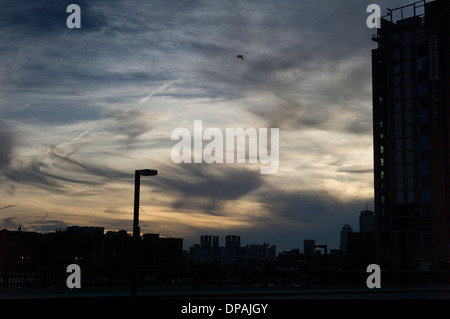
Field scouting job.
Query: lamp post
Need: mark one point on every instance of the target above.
(136, 229)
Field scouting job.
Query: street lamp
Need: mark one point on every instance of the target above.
(136, 229)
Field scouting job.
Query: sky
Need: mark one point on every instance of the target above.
(81, 109)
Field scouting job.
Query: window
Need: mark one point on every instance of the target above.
(400, 199)
(425, 168)
(407, 67)
(420, 35)
(410, 170)
(408, 92)
(422, 64)
(422, 90)
(425, 195)
(410, 183)
(408, 105)
(421, 76)
(409, 144)
(409, 157)
(397, 68)
(407, 53)
(423, 116)
(424, 142)
(398, 93)
(398, 144)
(396, 55)
(411, 198)
(398, 157)
(408, 117)
(407, 79)
(408, 130)
(406, 38)
(398, 131)
(400, 184)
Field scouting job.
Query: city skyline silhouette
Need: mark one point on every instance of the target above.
(82, 109)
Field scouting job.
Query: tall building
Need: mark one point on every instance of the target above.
(411, 128)
(366, 221)
(208, 253)
(309, 246)
(205, 241)
(232, 241)
(346, 229)
(261, 253)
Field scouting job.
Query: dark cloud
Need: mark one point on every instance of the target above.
(309, 207)
(31, 173)
(6, 144)
(45, 224)
(11, 190)
(8, 206)
(50, 172)
(206, 188)
(131, 122)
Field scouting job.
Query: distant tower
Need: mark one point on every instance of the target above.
(366, 221)
(308, 246)
(205, 241)
(345, 230)
(215, 241)
(232, 241)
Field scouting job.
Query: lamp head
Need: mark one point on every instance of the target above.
(147, 172)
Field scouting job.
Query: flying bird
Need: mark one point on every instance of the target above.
(240, 57)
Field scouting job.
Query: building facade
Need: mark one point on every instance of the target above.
(346, 229)
(411, 137)
(366, 221)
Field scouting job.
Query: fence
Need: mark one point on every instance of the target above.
(101, 277)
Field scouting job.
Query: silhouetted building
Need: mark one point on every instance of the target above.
(261, 255)
(411, 141)
(212, 255)
(346, 229)
(209, 241)
(309, 246)
(360, 250)
(95, 235)
(232, 241)
(19, 249)
(75, 245)
(366, 221)
(118, 249)
(161, 252)
(290, 259)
